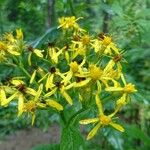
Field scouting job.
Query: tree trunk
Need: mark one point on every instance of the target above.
(51, 13)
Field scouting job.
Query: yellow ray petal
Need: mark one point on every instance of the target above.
(93, 131)
(69, 86)
(8, 100)
(38, 53)
(50, 93)
(88, 121)
(117, 126)
(67, 97)
(16, 82)
(68, 77)
(54, 104)
(49, 82)
(30, 91)
(38, 93)
(2, 95)
(111, 89)
(33, 77)
(109, 66)
(43, 78)
(82, 83)
(99, 104)
(20, 105)
(99, 88)
(33, 118)
(123, 79)
(29, 58)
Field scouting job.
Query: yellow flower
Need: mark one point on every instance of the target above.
(62, 90)
(68, 22)
(54, 53)
(9, 37)
(50, 77)
(75, 70)
(19, 34)
(101, 121)
(128, 88)
(97, 45)
(37, 52)
(110, 47)
(33, 76)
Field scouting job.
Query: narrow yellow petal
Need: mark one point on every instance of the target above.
(88, 121)
(111, 89)
(19, 34)
(117, 126)
(123, 79)
(93, 131)
(16, 82)
(38, 92)
(50, 93)
(49, 82)
(99, 104)
(38, 53)
(109, 66)
(30, 91)
(99, 88)
(12, 51)
(68, 77)
(54, 104)
(29, 58)
(67, 56)
(33, 118)
(42, 105)
(43, 78)
(2, 95)
(33, 77)
(114, 48)
(5, 102)
(67, 97)
(82, 83)
(20, 105)
(70, 86)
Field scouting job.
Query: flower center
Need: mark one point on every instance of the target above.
(30, 106)
(95, 72)
(74, 66)
(129, 88)
(85, 40)
(105, 120)
(107, 40)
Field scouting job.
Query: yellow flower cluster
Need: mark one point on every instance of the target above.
(94, 65)
(11, 45)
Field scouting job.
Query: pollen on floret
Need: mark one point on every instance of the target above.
(30, 106)
(74, 66)
(107, 40)
(105, 120)
(95, 72)
(129, 88)
(85, 39)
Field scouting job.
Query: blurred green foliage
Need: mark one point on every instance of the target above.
(128, 22)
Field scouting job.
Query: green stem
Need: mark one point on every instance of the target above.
(23, 70)
(73, 117)
(63, 117)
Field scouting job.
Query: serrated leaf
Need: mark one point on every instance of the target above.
(71, 139)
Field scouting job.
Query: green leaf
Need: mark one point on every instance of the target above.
(71, 139)
(47, 147)
(136, 133)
